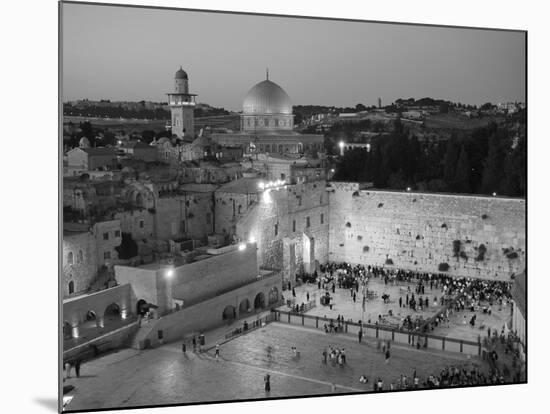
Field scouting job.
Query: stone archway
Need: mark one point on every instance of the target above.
(259, 301)
(229, 313)
(244, 306)
(112, 313)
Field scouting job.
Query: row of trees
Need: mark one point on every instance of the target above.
(486, 160)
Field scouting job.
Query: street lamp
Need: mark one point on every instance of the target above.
(494, 194)
(169, 273)
(242, 246)
(341, 145)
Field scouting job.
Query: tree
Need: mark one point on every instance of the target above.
(492, 169)
(360, 107)
(461, 182)
(450, 160)
(128, 247)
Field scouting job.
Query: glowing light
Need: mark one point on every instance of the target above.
(242, 246)
(408, 188)
(332, 170)
(261, 185)
(123, 313)
(341, 144)
(170, 273)
(266, 197)
(494, 194)
(251, 240)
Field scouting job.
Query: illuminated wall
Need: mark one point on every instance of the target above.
(419, 231)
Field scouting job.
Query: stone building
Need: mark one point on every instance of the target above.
(108, 236)
(519, 313)
(182, 105)
(79, 262)
(84, 159)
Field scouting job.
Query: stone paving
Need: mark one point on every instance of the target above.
(167, 376)
(344, 305)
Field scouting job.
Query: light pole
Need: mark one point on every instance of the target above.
(341, 145)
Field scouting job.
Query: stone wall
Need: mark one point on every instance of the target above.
(279, 223)
(182, 216)
(418, 231)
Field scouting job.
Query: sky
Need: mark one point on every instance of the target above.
(122, 53)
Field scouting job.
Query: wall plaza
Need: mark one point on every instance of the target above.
(208, 251)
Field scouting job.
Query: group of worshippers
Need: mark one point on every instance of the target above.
(334, 356)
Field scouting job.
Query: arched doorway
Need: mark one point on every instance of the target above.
(90, 320)
(229, 313)
(259, 301)
(273, 295)
(112, 313)
(142, 307)
(244, 306)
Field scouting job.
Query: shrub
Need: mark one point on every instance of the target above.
(464, 255)
(359, 238)
(380, 205)
(348, 224)
(481, 250)
(414, 200)
(512, 255)
(443, 267)
(355, 194)
(444, 226)
(418, 237)
(389, 261)
(456, 247)
(365, 249)
(190, 215)
(484, 216)
(341, 244)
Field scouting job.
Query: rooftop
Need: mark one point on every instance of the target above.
(245, 185)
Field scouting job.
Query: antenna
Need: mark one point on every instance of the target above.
(267, 73)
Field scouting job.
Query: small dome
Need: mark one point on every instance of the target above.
(267, 97)
(84, 143)
(180, 74)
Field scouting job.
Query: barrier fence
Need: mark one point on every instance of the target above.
(412, 338)
(258, 323)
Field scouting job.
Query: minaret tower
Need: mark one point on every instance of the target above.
(182, 105)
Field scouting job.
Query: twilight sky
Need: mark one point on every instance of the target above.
(123, 53)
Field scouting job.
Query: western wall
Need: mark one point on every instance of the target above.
(475, 236)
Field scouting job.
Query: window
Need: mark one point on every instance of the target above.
(71, 287)
(141, 224)
(70, 258)
(117, 233)
(299, 200)
(307, 221)
(105, 236)
(276, 229)
(80, 257)
(106, 255)
(322, 218)
(293, 226)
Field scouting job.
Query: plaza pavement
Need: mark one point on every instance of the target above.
(344, 305)
(165, 375)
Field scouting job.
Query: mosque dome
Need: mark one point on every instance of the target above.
(267, 97)
(181, 74)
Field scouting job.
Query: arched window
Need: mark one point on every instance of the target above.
(80, 257)
(71, 287)
(70, 258)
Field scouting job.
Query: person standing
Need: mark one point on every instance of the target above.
(217, 352)
(183, 347)
(194, 344)
(307, 296)
(360, 334)
(387, 356)
(267, 381)
(77, 368)
(68, 369)
(400, 301)
(324, 356)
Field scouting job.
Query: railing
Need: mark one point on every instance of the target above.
(412, 338)
(272, 317)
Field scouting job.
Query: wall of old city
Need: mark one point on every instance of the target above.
(209, 314)
(280, 221)
(418, 231)
(194, 282)
(230, 208)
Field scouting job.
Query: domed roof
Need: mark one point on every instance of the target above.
(267, 97)
(84, 142)
(180, 74)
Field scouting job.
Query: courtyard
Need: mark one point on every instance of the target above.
(166, 375)
(344, 305)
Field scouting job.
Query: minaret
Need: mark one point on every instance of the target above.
(182, 105)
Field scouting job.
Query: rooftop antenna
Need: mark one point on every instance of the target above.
(267, 73)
